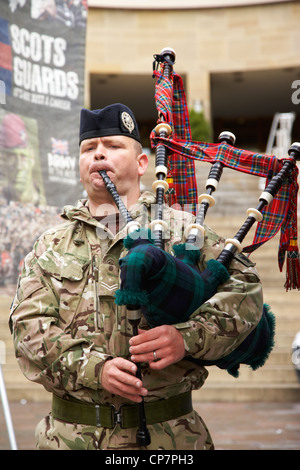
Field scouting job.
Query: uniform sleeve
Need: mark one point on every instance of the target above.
(218, 326)
(47, 354)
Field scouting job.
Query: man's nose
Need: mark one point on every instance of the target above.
(100, 152)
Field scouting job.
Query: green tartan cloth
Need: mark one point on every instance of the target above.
(167, 289)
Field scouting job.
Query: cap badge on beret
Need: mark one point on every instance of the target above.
(127, 121)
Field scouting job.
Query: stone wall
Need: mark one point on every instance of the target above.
(205, 40)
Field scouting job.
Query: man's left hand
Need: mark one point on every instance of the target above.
(160, 346)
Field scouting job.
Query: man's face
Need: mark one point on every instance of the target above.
(118, 156)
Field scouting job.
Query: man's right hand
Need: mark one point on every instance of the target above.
(118, 377)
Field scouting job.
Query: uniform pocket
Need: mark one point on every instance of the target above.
(64, 265)
(68, 278)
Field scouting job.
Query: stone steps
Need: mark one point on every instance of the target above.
(247, 392)
(269, 374)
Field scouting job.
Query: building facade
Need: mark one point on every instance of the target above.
(240, 60)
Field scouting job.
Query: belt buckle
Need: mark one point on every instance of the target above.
(117, 415)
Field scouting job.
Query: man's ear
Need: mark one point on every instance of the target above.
(142, 163)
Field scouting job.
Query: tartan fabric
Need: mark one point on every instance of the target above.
(171, 104)
(281, 213)
(164, 286)
(168, 290)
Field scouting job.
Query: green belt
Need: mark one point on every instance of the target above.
(107, 416)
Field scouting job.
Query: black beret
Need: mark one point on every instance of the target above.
(115, 119)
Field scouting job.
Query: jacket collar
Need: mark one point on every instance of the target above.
(81, 211)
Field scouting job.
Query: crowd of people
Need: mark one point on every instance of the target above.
(20, 225)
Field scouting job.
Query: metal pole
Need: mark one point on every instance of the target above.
(9, 424)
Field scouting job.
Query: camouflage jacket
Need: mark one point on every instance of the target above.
(65, 323)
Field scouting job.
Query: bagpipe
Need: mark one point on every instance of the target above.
(166, 288)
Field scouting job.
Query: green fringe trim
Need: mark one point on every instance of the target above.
(260, 360)
(187, 256)
(179, 249)
(130, 239)
(218, 270)
(127, 297)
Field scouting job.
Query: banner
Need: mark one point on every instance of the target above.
(42, 54)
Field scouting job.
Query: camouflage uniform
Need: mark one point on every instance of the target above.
(63, 332)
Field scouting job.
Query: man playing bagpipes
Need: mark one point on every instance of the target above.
(72, 337)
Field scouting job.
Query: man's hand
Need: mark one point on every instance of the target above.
(118, 377)
(118, 374)
(160, 346)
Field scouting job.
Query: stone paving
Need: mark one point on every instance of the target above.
(234, 426)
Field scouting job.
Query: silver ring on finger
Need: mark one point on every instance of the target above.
(155, 356)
